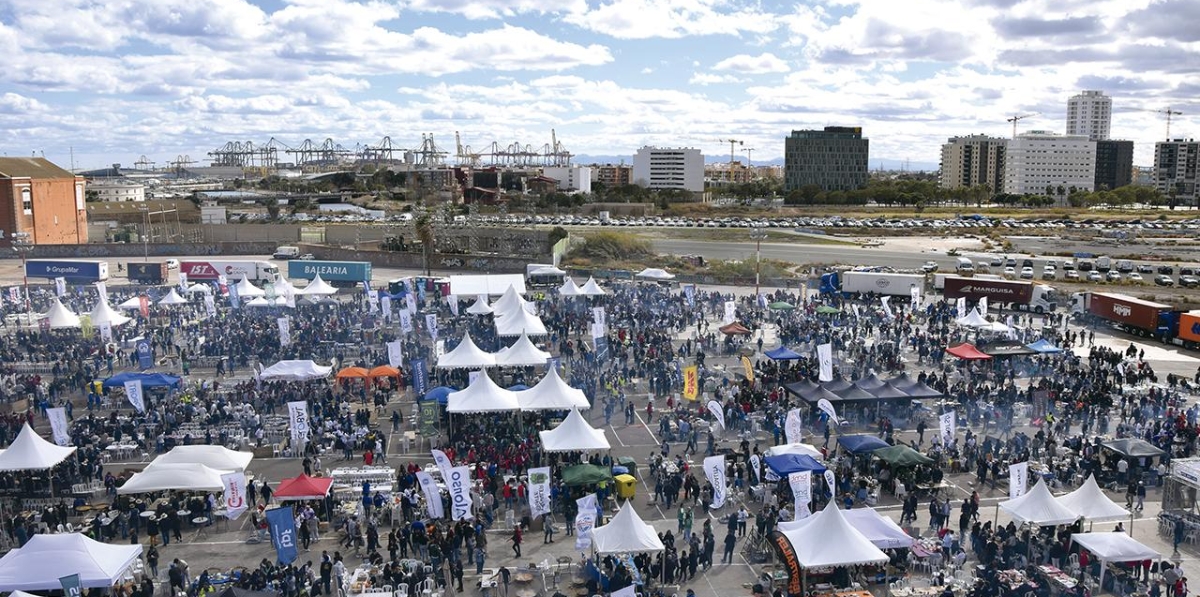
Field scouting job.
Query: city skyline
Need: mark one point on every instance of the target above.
(166, 77)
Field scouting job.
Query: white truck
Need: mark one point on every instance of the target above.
(849, 283)
(212, 270)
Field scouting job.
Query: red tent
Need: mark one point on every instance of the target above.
(303, 487)
(968, 352)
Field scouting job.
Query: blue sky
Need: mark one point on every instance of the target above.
(119, 79)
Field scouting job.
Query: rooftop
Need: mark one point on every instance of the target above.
(32, 168)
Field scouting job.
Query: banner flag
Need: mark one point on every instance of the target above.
(235, 494)
(298, 422)
(802, 492)
(983, 305)
(691, 382)
(106, 331)
(756, 466)
(443, 463)
(453, 300)
(786, 552)
(222, 284)
(102, 290)
(827, 408)
(420, 377)
(585, 521)
(145, 354)
(793, 427)
(133, 390)
(831, 481)
(1018, 478)
(948, 426)
(285, 331)
(235, 301)
(960, 306)
(58, 425)
(406, 325)
(183, 283)
(825, 359)
(472, 376)
(887, 307)
(385, 303)
(748, 368)
(598, 316)
(431, 324)
(714, 407)
(433, 496)
(854, 307)
(60, 287)
(210, 304)
(72, 586)
(283, 533)
(144, 305)
(689, 291)
(714, 469)
(597, 330)
(459, 484)
(410, 303)
(730, 312)
(914, 292)
(439, 349)
(395, 354)
(539, 491)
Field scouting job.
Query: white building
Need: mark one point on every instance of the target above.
(116, 189)
(570, 178)
(1090, 114)
(1039, 159)
(669, 168)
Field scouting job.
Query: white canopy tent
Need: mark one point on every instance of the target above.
(552, 393)
(995, 327)
(547, 270)
(972, 320)
(295, 371)
(626, 533)
(102, 313)
(1091, 503)
(568, 288)
(591, 288)
(1114, 546)
(45, 558)
(262, 301)
(317, 287)
(1039, 507)
(804, 449)
(198, 287)
(60, 316)
(520, 323)
(172, 298)
(510, 302)
(482, 396)
(467, 355)
(480, 307)
(827, 540)
(31, 452)
(880, 530)
(131, 304)
(654, 273)
(523, 353)
(215, 457)
(173, 477)
(247, 290)
(574, 435)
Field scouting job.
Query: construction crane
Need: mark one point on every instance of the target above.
(732, 143)
(749, 157)
(1015, 119)
(1169, 112)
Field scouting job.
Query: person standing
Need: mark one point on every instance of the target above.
(516, 541)
(730, 541)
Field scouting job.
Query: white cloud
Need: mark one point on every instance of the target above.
(14, 103)
(711, 79)
(641, 19)
(753, 65)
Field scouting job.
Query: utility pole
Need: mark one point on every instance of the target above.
(758, 234)
(22, 244)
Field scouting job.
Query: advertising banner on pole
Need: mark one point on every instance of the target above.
(298, 422)
(793, 426)
(283, 533)
(459, 484)
(133, 391)
(433, 496)
(235, 494)
(539, 491)
(714, 470)
(58, 425)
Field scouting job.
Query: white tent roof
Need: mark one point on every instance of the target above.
(482, 396)
(828, 539)
(880, 530)
(317, 287)
(518, 323)
(489, 284)
(626, 533)
(102, 313)
(509, 302)
(1091, 503)
(31, 452)
(568, 288)
(1115, 546)
(467, 355)
(523, 353)
(38, 565)
(591, 288)
(246, 289)
(1039, 507)
(60, 316)
(131, 304)
(178, 476)
(260, 301)
(296, 371)
(972, 320)
(547, 270)
(654, 273)
(198, 287)
(215, 457)
(574, 434)
(172, 298)
(994, 326)
(552, 393)
(283, 286)
(480, 307)
(805, 449)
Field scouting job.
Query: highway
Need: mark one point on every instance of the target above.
(802, 253)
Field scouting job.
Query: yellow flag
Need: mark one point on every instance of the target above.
(749, 368)
(691, 382)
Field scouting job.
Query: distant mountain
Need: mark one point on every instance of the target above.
(876, 163)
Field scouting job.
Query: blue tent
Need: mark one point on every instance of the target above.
(1044, 346)
(149, 380)
(861, 444)
(783, 353)
(440, 393)
(518, 388)
(786, 464)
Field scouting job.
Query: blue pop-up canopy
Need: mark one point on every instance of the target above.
(786, 464)
(861, 444)
(1044, 346)
(440, 393)
(783, 353)
(149, 380)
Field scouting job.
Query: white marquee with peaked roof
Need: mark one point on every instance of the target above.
(523, 353)
(1039, 506)
(45, 558)
(552, 393)
(574, 435)
(467, 355)
(1090, 502)
(60, 316)
(482, 396)
(830, 540)
(31, 452)
(102, 313)
(626, 532)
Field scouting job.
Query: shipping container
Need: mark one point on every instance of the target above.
(1132, 313)
(881, 283)
(72, 271)
(254, 271)
(345, 272)
(147, 273)
(1003, 291)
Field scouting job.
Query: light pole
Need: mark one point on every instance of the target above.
(758, 234)
(145, 231)
(21, 244)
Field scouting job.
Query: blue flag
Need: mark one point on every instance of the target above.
(283, 533)
(421, 292)
(145, 354)
(234, 300)
(71, 585)
(420, 377)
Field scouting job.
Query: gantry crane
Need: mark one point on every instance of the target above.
(1018, 118)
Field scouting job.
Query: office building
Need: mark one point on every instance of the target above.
(662, 168)
(1114, 164)
(570, 178)
(834, 159)
(1175, 164)
(117, 189)
(42, 200)
(1037, 160)
(1089, 114)
(972, 161)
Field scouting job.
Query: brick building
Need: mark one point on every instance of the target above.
(43, 200)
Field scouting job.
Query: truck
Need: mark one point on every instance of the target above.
(147, 273)
(1021, 295)
(77, 271)
(213, 269)
(337, 273)
(852, 282)
(1103, 264)
(965, 265)
(1189, 329)
(543, 275)
(286, 252)
(1134, 315)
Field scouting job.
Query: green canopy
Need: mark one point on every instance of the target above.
(585, 474)
(781, 306)
(827, 310)
(902, 455)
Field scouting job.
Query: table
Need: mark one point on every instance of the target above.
(147, 514)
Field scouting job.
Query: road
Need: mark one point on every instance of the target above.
(802, 253)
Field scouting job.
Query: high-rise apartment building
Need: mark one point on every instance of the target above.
(1175, 165)
(1114, 164)
(834, 159)
(1039, 159)
(611, 175)
(664, 168)
(972, 161)
(1089, 114)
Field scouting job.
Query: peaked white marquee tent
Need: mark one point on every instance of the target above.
(591, 288)
(1114, 547)
(215, 457)
(552, 393)
(173, 477)
(295, 371)
(1090, 502)
(45, 558)
(132, 303)
(574, 435)
(482, 396)
(31, 452)
(60, 316)
(654, 273)
(467, 355)
(102, 313)
(317, 287)
(1039, 507)
(568, 288)
(972, 320)
(827, 539)
(480, 307)
(520, 322)
(198, 287)
(247, 290)
(172, 298)
(880, 530)
(626, 533)
(509, 302)
(523, 353)
(804, 449)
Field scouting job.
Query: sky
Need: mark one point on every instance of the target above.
(113, 80)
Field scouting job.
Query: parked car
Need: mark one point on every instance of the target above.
(1189, 281)
(1072, 274)
(1166, 270)
(1095, 277)
(1136, 277)
(1027, 273)
(1163, 280)
(929, 267)
(1010, 272)
(1145, 268)
(1113, 276)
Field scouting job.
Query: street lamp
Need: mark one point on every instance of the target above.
(22, 244)
(145, 231)
(758, 234)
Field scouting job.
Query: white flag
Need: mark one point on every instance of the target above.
(948, 427)
(854, 307)
(730, 312)
(827, 408)
(410, 302)
(983, 306)
(106, 331)
(433, 496)
(285, 331)
(825, 359)
(385, 303)
(183, 286)
(102, 290)
(1018, 478)
(453, 300)
(718, 413)
(431, 325)
(539, 491)
(714, 469)
(887, 309)
(133, 390)
(58, 425)
(459, 484)
(235, 494)
(439, 349)
(210, 304)
(793, 426)
(960, 306)
(60, 286)
(472, 376)
(598, 331)
(298, 422)
(585, 521)
(406, 325)
(914, 293)
(801, 484)
(443, 463)
(831, 481)
(395, 354)
(598, 316)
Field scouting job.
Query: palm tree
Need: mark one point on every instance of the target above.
(424, 226)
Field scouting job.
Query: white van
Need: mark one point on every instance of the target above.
(287, 252)
(965, 265)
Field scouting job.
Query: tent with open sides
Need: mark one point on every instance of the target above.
(901, 455)
(1044, 346)
(861, 444)
(519, 322)
(247, 289)
(1039, 507)
(509, 302)
(317, 287)
(384, 371)
(480, 307)
(972, 320)
(1114, 546)
(880, 530)
(215, 457)
(132, 303)
(591, 288)
(467, 355)
(574, 434)
(60, 316)
(523, 353)
(626, 533)
(1090, 502)
(482, 396)
(585, 474)
(295, 371)
(654, 273)
(198, 287)
(968, 352)
(31, 452)
(783, 353)
(797, 448)
(45, 558)
(173, 477)
(1132, 447)
(569, 288)
(552, 393)
(172, 298)
(734, 329)
(303, 487)
(826, 539)
(786, 464)
(103, 313)
(149, 380)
